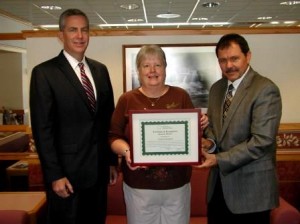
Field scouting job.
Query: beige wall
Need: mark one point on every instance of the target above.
(11, 89)
(276, 56)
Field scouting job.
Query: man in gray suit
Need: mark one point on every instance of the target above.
(242, 185)
(71, 106)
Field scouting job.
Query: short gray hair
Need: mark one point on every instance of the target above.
(150, 50)
(68, 13)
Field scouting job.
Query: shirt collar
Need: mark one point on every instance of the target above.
(73, 62)
(237, 82)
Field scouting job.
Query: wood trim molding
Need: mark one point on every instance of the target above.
(15, 128)
(17, 155)
(289, 127)
(154, 32)
(12, 36)
(288, 155)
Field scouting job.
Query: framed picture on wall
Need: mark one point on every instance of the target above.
(193, 67)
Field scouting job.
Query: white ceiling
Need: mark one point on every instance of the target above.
(109, 14)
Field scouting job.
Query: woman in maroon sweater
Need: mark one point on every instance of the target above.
(154, 194)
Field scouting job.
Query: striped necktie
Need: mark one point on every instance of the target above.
(227, 102)
(88, 87)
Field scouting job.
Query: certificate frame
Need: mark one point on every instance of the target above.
(165, 137)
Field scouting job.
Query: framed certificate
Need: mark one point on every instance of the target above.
(165, 137)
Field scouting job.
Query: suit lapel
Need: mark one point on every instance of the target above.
(69, 73)
(240, 94)
(219, 100)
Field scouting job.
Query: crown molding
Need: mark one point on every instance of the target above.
(153, 32)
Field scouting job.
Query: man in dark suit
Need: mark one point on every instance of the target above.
(70, 131)
(242, 185)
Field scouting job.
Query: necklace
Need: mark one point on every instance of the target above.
(153, 102)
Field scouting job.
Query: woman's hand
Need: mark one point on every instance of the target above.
(129, 162)
(204, 121)
(122, 148)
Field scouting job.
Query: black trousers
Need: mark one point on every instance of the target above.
(218, 212)
(82, 207)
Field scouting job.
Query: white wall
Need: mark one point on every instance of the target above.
(9, 25)
(273, 55)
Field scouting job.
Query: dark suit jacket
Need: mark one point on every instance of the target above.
(71, 140)
(246, 143)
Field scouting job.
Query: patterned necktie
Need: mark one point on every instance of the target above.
(227, 101)
(88, 87)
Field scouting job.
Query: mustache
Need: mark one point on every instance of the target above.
(229, 70)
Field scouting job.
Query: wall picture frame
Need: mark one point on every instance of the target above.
(194, 67)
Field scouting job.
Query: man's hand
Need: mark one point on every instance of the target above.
(209, 160)
(206, 144)
(62, 187)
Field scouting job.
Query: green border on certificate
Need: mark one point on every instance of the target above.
(171, 136)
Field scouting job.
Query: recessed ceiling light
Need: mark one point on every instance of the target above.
(50, 7)
(200, 19)
(129, 6)
(274, 22)
(264, 17)
(210, 4)
(49, 26)
(289, 22)
(168, 16)
(135, 20)
(290, 3)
